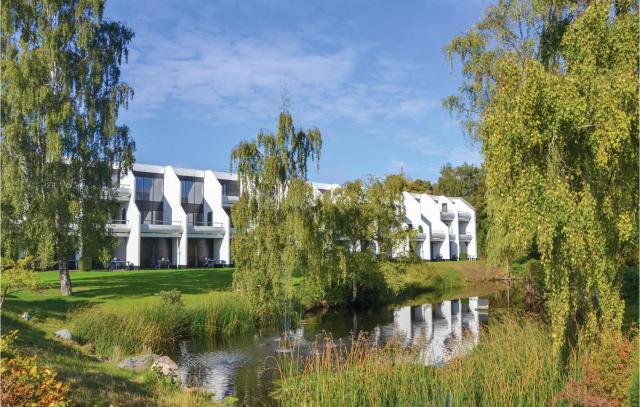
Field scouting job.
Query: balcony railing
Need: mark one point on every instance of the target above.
(421, 236)
(212, 224)
(119, 227)
(464, 216)
(438, 235)
(445, 215)
(465, 237)
(230, 199)
(161, 222)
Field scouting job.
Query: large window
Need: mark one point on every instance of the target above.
(230, 188)
(151, 217)
(192, 191)
(149, 188)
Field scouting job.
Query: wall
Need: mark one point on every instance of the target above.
(213, 202)
(173, 212)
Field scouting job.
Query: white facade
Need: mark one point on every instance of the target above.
(178, 217)
(445, 226)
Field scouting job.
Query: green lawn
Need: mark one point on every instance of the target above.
(94, 381)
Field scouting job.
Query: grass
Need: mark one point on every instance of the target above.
(158, 328)
(94, 382)
(510, 366)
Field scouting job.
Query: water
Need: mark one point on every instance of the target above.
(245, 366)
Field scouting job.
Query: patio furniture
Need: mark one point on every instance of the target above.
(118, 264)
(163, 262)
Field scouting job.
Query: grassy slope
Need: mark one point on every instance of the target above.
(94, 381)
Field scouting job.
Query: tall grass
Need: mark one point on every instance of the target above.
(512, 365)
(157, 328)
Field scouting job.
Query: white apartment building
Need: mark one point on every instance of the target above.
(182, 217)
(445, 226)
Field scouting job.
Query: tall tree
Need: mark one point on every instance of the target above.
(275, 229)
(367, 221)
(61, 94)
(550, 89)
(469, 182)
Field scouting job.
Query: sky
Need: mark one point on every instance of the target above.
(370, 75)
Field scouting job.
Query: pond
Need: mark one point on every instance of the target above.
(246, 366)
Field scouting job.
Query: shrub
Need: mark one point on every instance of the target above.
(24, 383)
(18, 275)
(607, 376)
(171, 297)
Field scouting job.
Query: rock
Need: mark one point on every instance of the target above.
(166, 366)
(138, 363)
(26, 316)
(64, 333)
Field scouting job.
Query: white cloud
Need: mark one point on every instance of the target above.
(237, 78)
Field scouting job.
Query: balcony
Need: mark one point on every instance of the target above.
(206, 229)
(123, 193)
(464, 216)
(465, 237)
(161, 228)
(420, 236)
(229, 199)
(447, 216)
(438, 236)
(452, 236)
(119, 227)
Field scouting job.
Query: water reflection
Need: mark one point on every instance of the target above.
(244, 367)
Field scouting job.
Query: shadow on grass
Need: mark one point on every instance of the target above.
(92, 382)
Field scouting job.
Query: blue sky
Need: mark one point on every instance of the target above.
(370, 75)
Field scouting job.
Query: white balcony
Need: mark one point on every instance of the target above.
(123, 193)
(452, 236)
(206, 230)
(420, 236)
(228, 200)
(444, 215)
(465, 237)
(161, 229)
(438, 235)
(119, 227)
(464, 216)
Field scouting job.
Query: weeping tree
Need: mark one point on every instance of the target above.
(365, 221)
(61, 93)
(275, 223)
(550, 90)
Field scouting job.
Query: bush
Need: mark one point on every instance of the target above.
(18, 275)
(171, 297)
(24, 383)
(607, 374)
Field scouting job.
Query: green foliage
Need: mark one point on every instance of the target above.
(550, 90)
(18, 275)
(275, 225)
(404, 279)
(510, 366)
(157, 328)
(23, 382)
(171, 297)
(61, 95)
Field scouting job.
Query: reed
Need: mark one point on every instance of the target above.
(157, 328)
(512, 365)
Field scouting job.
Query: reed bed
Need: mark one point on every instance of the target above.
(512, 365)
(158, 328)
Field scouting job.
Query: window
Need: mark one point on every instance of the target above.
(149, 188)
(192, 192)
(444, 207)
(151, 217)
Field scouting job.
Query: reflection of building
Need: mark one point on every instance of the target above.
(442, 330)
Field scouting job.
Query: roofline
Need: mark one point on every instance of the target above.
(465, 201)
